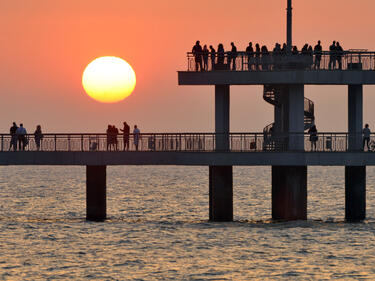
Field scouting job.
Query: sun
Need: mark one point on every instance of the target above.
(108, 79)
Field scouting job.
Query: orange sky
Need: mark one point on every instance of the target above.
(47, 44)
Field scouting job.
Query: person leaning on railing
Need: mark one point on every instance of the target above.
(366, 137)
(38, 136)
(197, 52)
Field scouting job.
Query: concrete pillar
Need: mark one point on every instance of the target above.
(355, 116)
(294, 116)
(289, 192)
(289, 183)
(96, 193)
(221, 193)
(221, 177)
(355, 176)
(355, 193)
(222, 116)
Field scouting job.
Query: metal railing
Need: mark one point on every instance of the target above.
(198, 142)
(277, 61)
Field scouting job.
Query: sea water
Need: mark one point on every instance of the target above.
(158, 229)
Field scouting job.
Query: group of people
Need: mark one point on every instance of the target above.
(112, 136)
(259, 58)
(19, 135)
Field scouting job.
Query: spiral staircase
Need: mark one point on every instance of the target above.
(272, 142)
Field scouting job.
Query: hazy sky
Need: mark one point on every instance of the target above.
(47, 44)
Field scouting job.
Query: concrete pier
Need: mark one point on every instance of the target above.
(289, 183)
(355, 193)
(221, 177)
(96, 205)
(355, 176)
(289, 192)
(221, 193)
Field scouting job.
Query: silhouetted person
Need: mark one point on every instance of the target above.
(233, 55)
(109, 129)
(136, 135)
(310, 55)
(332, 56)
(257, 56)
(115, 133)
(197, 52)
(339, 54)
(265, 57)
(295, 51)
(313, 132)
(13, 137)
(318, 55)
(38, 136)
(205, 57)
(212, 55)
(276, 53)
(220, 54)
(366, 137)
(250, 56)
(126, 131)
(21, 136)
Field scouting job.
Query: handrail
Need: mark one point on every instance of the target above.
(186, 142)
(279, 61)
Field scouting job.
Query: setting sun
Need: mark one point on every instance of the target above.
(108, 79)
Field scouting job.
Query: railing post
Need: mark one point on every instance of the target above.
(2, 142)
(69, 143)
(55, 142)
(81, 142)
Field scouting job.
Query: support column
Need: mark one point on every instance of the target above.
(221, 177)
(96, 193)
(221, 193)
(289, 183)
(355, 193)
(355, 116)
(289, 192)
(222, 104)
(355, 176)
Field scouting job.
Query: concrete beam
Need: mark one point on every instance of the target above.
(96, 189)
(188, 158)
(307, 77)
(221, 193)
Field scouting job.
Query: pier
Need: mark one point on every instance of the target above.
(285, 145)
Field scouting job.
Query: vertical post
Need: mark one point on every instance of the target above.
(295, 116)
(221, 177)
(355, 176)
(289, 26)
(222, 105)
(289, 183)
(355, 116)
(355, 193)
(96, 209)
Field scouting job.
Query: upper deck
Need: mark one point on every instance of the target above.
(349, 68)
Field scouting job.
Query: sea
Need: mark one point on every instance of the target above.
(158, 228)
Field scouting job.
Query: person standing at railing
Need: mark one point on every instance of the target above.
(205, 57)
(257, 56)
(212, 55)
(310, 57)
(339, 54)
(21, 136)
(366, 137)
(136, 135)
(233, 56)
(38, 136)
(318, 55)
(265, 57)
(13, 137)
(126, 131)
(250, 56)
(220, 55)
(332, 56)
(197, 52)
(313, 132)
